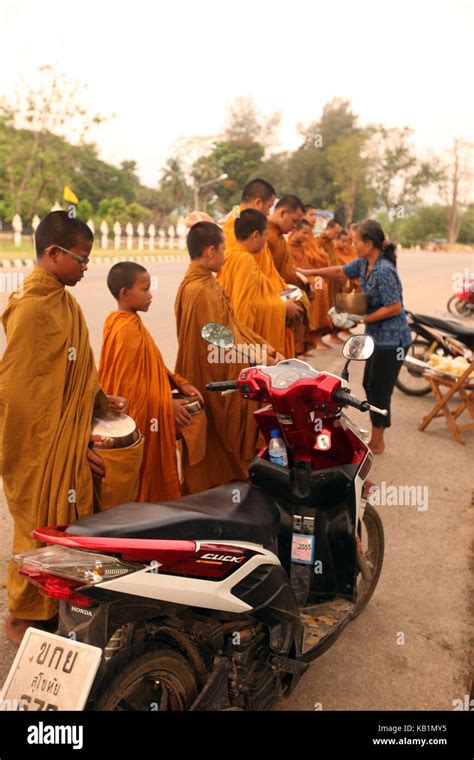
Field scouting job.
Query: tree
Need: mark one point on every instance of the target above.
(33, 148)
(396, 174)
(425, 223)
(330, 168)
(349, 166)
(457, 185)
(174, 189)
(466, 230)
(84, 210)
(245, 124)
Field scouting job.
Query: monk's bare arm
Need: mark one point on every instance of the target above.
(330, 272)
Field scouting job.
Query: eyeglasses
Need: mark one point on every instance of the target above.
(80, 259)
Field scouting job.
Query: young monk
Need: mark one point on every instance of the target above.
(255, 300)
(49, 391)
(131, 364)
(257, 194)
(231, 429)
(288, 211)
(305, 255)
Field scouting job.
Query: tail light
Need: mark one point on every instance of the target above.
(60, 573)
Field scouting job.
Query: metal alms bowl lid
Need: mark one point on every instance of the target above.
(119, 430)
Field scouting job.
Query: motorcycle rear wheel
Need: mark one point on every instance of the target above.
(373, 543)
(148, 677)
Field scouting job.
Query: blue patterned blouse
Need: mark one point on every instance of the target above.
(383, 287)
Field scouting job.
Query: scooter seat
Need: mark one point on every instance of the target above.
(235, 511)
(461, 332)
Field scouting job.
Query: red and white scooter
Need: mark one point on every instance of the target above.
(219, 600)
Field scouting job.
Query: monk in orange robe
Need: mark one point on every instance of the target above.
(231, 429)
(258, 194)
(288, 211)
(49, 392)
(132, 365)
(305, 255)
(255, 300)
(326, 241)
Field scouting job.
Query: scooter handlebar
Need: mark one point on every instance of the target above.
(342, 396)
(224, 385)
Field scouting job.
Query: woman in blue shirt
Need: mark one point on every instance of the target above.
(385, 320)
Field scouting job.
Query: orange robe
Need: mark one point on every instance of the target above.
(254, 299)
(49, 391)
(344, 255)
(286, 266)
(231, 428)
(281, 254)
(265, 261)
(307, 256)
(131, 365)
(324, 242)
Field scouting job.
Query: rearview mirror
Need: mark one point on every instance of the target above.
(218, 335)
(358, 348)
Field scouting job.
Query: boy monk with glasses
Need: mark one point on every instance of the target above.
(49, 391)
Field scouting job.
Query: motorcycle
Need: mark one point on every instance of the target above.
(462, 304)
(431, 336)
(219, 600)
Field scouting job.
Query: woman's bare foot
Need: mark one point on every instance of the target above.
(15, 628)
(334, 339)
(376, 443)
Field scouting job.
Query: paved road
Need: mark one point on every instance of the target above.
(410, 648)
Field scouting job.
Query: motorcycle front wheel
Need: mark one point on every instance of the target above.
(372, 540)
(459, 307)
(409, 381)
(148, 678)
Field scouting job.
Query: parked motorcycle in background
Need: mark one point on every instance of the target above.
(432, 338)
(462, 304)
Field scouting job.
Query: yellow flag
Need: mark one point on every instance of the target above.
(68, 195)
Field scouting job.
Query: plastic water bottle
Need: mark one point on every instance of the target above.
(277, 449)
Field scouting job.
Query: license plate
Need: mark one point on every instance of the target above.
(50, 672)
(302, 548)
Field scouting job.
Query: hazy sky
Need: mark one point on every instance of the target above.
(170, 69)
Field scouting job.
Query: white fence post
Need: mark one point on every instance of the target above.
(141, 235)
(151, 237)
(161, 236)
(117, 236)
(129, 233)
(104, 229)
(17, 225)
(171, 236)
(181, 229)
(91, 226)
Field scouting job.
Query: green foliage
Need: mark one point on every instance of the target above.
(84, 210)
(466, 231)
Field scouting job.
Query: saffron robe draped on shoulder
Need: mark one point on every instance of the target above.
(265, 261)
(131, 365)
(281, 255)
(256, 302)
(286, 266)
(48, 391)
(231, 428)
(334, 286)
(307, 256)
